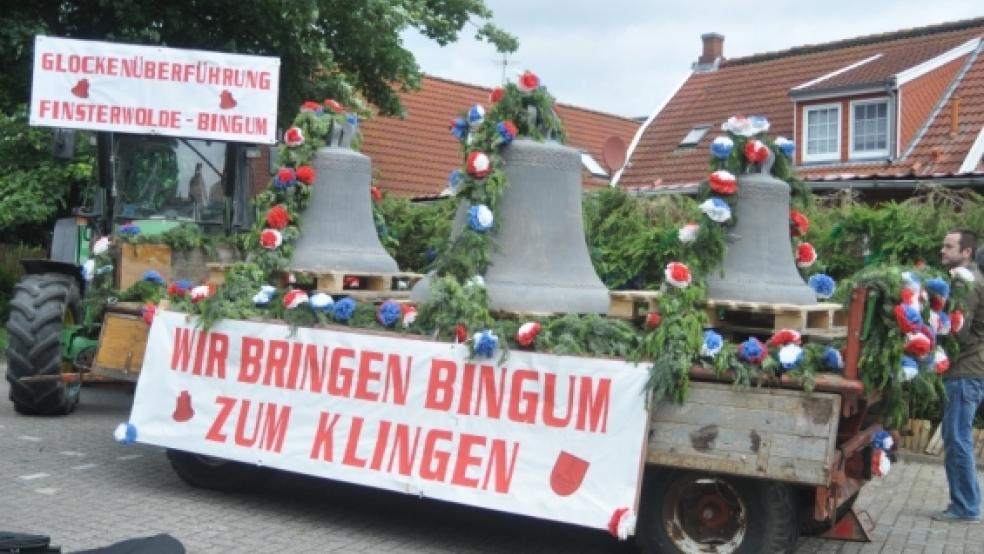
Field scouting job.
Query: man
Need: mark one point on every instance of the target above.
(964, 384)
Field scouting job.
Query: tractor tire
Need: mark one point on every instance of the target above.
(218, 474)
(690, 512)
(41, 307)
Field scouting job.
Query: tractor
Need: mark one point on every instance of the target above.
(157, 183)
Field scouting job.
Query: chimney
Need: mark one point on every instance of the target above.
(712, 55)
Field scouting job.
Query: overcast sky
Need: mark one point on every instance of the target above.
(626, 56)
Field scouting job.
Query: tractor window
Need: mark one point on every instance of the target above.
(169, 178)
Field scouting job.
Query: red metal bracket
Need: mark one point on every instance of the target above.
(851, 528)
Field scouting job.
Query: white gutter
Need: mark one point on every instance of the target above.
(642, 129)
(974, 155)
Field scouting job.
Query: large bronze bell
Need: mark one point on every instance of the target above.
(759, 265)
(339, 232)
(540, 261)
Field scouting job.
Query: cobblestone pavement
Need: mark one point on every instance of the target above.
(66, 477)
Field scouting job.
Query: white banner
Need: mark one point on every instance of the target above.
(554, 437)
(106, 86)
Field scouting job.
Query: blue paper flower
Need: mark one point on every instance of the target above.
(787, 146)
(823, 285)
(721, 147)
(882, 440)
(476, 115)
(454, 181)
(184, 284)
(507, 131)
(430, 254)
(480, 218)
(716, 209)
(938, 287)
(129, 230)
(459, 128)
(352, 119)
(752, 351)
(909, 369)
(125, 433)
(712, 344)
(912, 315)
(344, 309)
(265, 295)
(833, 359)
(154, 276)
(485, 343)
(389, 313)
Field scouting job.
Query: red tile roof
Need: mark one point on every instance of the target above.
(761, 84)
(413, 156)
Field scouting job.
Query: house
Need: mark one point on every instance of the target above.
(415, 155)
(885, 111)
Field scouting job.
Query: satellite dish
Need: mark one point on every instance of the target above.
(613, 153)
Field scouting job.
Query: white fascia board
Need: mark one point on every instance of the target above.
(973, 158)
(836, 73)
(917, 71)
(644, 126)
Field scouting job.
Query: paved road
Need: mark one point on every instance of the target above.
(67, 478)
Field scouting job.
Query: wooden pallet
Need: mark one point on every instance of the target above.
(631, 304)
(825, 319)
(354, 283)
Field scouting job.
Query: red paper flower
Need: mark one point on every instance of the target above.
(460, 333)
(528, 82)
(677, 274)
(294, 298)
(798, 223)
(496, 95)
(286, 175)
(294, 137)
(907, 319)
(723, 182)
(756, 151)
(201, 292)
(956, 321)
(174, 290)
(377, 195)
(937, 302)
(805, 254)
(277, 217)
(148, 312)
(527, 333)
(478, 165)
(908, 295)
(310, 107)
(783, 337)
(334, 106)
(917, 344)
(271, 238)
(305, 174)
(653, 319)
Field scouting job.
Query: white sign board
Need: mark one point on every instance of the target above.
(554, 437)
(106, 86)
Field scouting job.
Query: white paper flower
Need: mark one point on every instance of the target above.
(790, 356)
(321, 301)
(716, 209)
(475, 281)
(688, 233)
(100, 246)
(963, 274)
(88, 269)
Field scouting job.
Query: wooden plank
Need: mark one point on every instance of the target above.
(121, 344)
(779, 434)
(935, 444)
(135, 259)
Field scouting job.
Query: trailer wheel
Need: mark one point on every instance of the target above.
(42, 306)
(687, 512)
(218, 474)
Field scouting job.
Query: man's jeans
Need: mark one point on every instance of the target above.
(963, 396)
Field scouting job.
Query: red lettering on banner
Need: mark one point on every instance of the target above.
(550, 400)
(232, 124)
(181, 351)
(434, 465)
(440, 385)
(500, 467)
(366, 376)
(355, 432)
(337, 371)
(382, 438)
(397, 380)
(404, 452)
(324, 438)
(276, 363)
(593, 407)
(464, 460)
(269, 426)
(218, 350)
(522, 403)
(252, 353)
(225, 408)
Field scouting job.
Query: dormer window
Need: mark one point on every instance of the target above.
(821, 133)
(869, 128)
(694, 136)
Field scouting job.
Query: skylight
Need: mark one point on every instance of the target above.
(694, 136)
